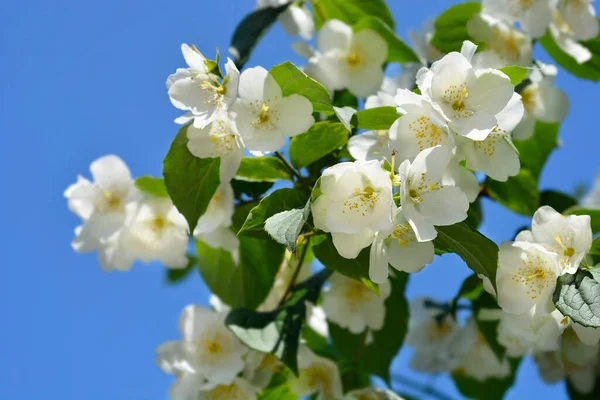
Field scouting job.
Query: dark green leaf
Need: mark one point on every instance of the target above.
(593, 213)
(285, 227)
(321, 139)
(178, 275)
(557, 200)
(534, 152)
(293, 81)
(398, 51)
(471, 288)
(519, 193)
(250, 30)
(376, 357)
(588, 70)
(253, 190)
(489, 329)
(262, 169)
(451, 27)
(151, 186)
(515, 73)
(357, 268)
(350, 11)
(344, 115)
(479, 252)
(343, 98)
(578, 297)
(490, 389)
(190, 181)
(474, 214)
(595, 250)
(276, 202)
(379, 118)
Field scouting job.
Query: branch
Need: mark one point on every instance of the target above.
(288, 165)
(420, 387)
(296, 273)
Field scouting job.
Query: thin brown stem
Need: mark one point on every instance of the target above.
(361, 346)
(296, 273)
(288, 165)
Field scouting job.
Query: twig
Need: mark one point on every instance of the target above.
(420, 387)
(296, 273)
(361, 346)
(288, 165)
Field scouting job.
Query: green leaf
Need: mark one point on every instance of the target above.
(285, 227)
(479, 252)
(293, 81)
(490, 389)
(152, 186)
(398, 51)
(190, 181)
(250, 30)
(378, 118)
(474, 214)
(253, 190)
(451, 27)
(350, 11)
(578, 297)
(276, 202)
(471, 288)
(344, 115)
(321, 139)
(589, 70)
(278, 388)
(376, 357)
(593, 213)
(534, 152)
(177, 275)
(489, 329)
(595, 250)
(246, 284)
(515, 73)
(278, 332)
(357, 268)
(262, 169)
(557, 200)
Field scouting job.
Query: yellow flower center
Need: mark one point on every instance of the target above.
(353, 59)
(113, 200)
(159, 223)
(362, 201)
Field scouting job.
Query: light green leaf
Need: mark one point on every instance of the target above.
(293, 81)
(477, 251)
(321, 139)
(350, 11)
(285, 227)
(398, 51)
(151, 186)
(376, 357)
(345, 115)
(276, 202)
(190, 181)
(595, 250)
(578, 297)
(378, 118)
(250, 30)
(593, 213)
(515, 73)
(588, 70)
(262, 169)
(451, 27)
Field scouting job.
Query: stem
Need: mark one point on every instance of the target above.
(420, 387)
(296, 273)
(288, 165)
(317, 8)
(361, 346)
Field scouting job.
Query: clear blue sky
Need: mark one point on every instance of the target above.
(82, 79)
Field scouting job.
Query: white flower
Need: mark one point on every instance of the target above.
(528, 332)
(406, 79)
(222, 238)
(506, 45)
(532, 15)
(295, 19)
(496, 155)
(586, 334)
(400, 248)
(565, 37)
(239, 389)
(526, 277)
(480, 362)
(207, 348)
(318, 375)
(421, 41)
(542, 100)
(218, 139)
(421, 126)
(352, 60)
(352, 305)
(436, 339)
(371, 393)
(219, 210)
(580, 16)
(461, 177)
(425, 200)
(468, 99)
(103, 205)
(199, 92)
(592, 199)
(263, 117)
(355, 201)
(260, 368)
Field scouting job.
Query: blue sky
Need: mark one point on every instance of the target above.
(83, 79)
